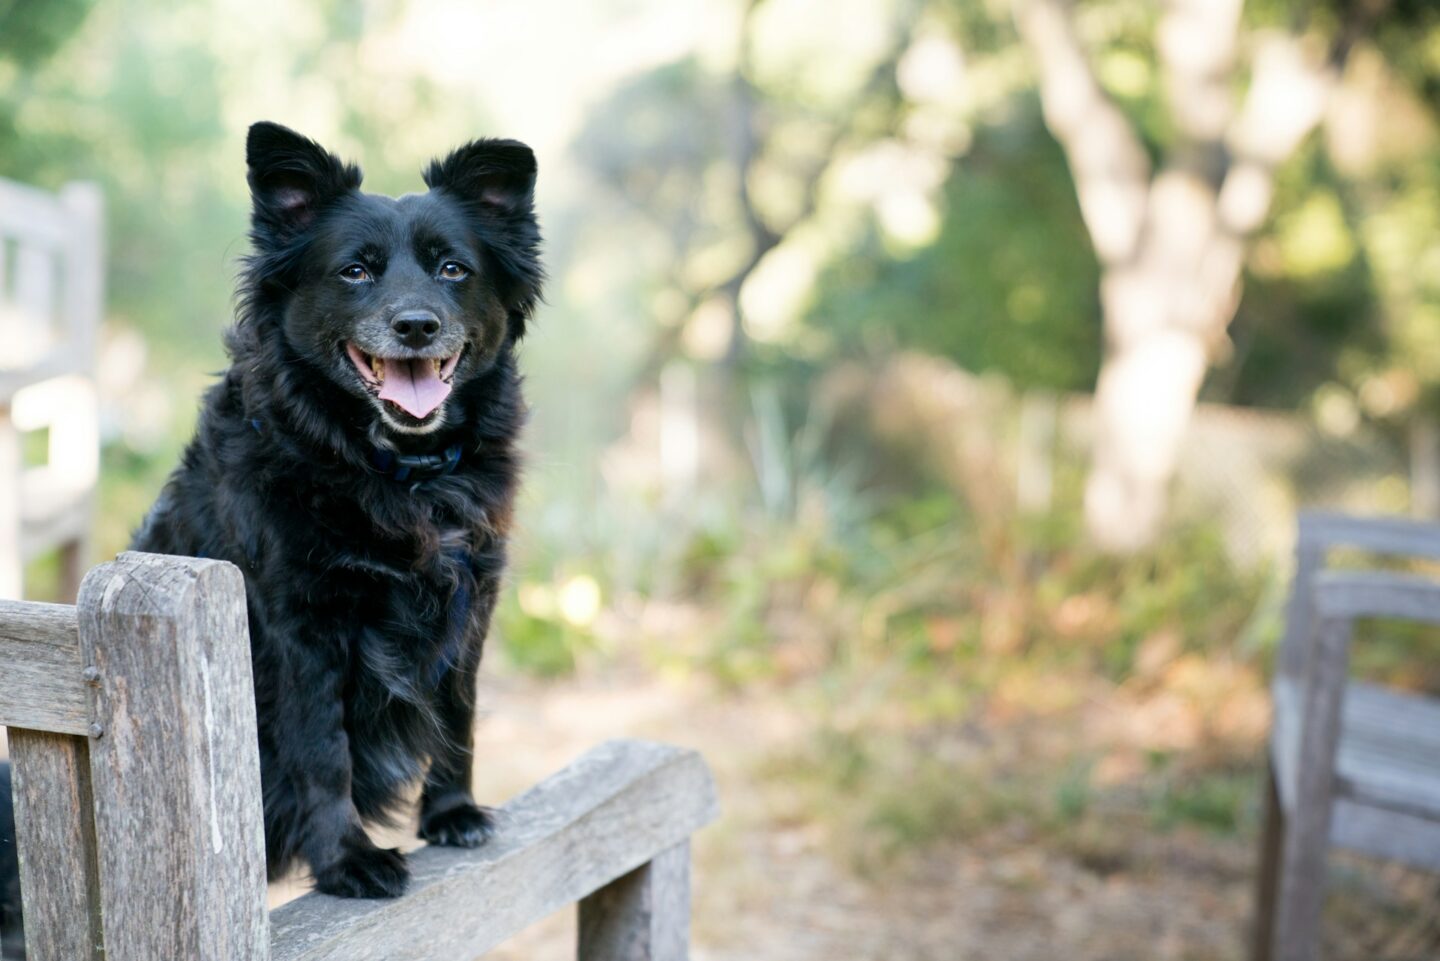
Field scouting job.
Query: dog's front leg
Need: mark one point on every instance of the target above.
(448, 812)
(313, 750)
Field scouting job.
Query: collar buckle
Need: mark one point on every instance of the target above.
(415, 467)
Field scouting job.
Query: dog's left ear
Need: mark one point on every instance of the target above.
(291, 179)
(497, 176)
(495, 180)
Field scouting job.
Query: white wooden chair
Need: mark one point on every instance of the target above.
(1352, 765)
(51, 280)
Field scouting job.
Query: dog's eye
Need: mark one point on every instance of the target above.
(355, 273)
(450, 270)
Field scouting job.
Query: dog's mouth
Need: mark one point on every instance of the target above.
(415, 385)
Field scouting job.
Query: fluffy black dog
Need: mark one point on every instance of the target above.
(358, 463)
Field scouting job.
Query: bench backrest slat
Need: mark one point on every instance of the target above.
(1321, 532)
(55, 821)
(41, 687)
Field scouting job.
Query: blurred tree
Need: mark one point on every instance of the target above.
(1007, 287)
(1171, 231)
(726, 165)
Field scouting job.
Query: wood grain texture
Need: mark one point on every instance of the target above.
(176, 773)
(59, 875)
(617, 807)
(640, 916)
(41, 685)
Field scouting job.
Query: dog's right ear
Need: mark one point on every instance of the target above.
(291, 179)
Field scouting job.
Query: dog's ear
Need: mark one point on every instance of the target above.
(496, 176)
(291, 179)
(495, 180)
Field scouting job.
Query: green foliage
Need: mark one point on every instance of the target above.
(1009, 285)
(536, 644)
(30, 32)
(1215, 801)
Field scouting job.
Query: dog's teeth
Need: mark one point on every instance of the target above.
(437, 362)
(377, 367)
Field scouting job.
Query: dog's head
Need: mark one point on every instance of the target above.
(400, 302)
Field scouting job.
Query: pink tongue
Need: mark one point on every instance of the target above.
(414, 386)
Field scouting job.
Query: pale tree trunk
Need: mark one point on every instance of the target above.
(1171, 243)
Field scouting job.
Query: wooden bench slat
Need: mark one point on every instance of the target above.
(1389, 751)
(1365, 594)
(41, 685)
(1380, 832)
(612, 810)
(54, 809)
(1380, 535)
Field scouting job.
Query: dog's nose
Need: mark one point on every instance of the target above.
(415, 327)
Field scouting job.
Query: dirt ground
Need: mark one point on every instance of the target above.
(767, 887)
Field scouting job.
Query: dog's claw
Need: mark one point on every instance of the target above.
(463, 826)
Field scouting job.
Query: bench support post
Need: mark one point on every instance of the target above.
(174, 761)
(640, 916)
(1267, 881)
(1305, 839)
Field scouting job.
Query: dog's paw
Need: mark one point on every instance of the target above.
(365, 872)
(465, 825)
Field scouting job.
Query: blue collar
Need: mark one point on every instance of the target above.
(415, 467)
(407, 467)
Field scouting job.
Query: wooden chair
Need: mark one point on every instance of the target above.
(51, 281)
(137, 790)
(1352, 765)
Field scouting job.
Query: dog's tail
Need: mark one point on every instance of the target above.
(12, 928)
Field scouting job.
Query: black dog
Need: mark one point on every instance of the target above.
(358, 463)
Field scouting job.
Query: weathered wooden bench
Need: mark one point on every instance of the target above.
(1352, 765)
(137, 786)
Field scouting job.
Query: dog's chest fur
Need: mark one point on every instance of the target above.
(377, 586)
